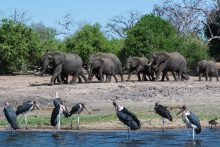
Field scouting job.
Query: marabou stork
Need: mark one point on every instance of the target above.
(58, 101)
(59, 108)
(10, 116)
(56, 115)
(163, 112)
(77, 109)
(127, 117)
(190, 119)
(25, 108)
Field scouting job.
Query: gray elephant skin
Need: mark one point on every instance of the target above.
(114, 58)
(67, 64)
(140, 65)
(208, 68)
(102, 66)
(173, 62)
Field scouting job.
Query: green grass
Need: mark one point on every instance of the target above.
(86, 119)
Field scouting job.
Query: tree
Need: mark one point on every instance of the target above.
(20, 46)
(188, 15)
(151, 33)
(48, 37)
(119, 25)
(89, 39)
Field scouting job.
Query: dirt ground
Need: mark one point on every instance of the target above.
(202, 97)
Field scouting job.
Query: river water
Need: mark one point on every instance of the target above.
(171, 138)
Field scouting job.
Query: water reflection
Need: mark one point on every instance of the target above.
(208, 137)
(193, 143)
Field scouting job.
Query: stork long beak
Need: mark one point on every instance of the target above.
(38, 107)
(87, 110)
(178, 113)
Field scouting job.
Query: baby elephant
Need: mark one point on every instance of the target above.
(208, 68)
(101, 67)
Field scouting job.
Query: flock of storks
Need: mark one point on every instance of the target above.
(124, 115)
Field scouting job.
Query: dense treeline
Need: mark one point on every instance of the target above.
(22, 45)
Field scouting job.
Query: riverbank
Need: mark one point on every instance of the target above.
(202, 97)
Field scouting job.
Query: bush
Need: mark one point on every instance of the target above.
(19, 46)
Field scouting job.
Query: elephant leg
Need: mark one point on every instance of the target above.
(84, 77)
(210, 77)
(122, 78)
(160, 69)
(79, 79)
(129, 76)
(165, 75)
(216, 74)
(74, 77)
(56, 74)
(116, 80)
(206, 75)
(139, 76)
(200, 75)
(106, 80)
(174, 75)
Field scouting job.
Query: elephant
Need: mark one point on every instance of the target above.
(173, 62)
(114, 58)
(208, 68)
(140, 65)
(100, 66)
(67, 64)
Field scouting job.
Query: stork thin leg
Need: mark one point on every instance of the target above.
(193, 134)
(128, 130)
(163, 124)
(58, 122)
(10, 129)
(78, 122)
(71, 125)
(25, 118)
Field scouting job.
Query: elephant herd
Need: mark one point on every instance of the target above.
(105, 65)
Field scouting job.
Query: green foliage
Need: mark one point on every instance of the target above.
(194, 50)
(89, 39)
(152, 33)
(48, 37)
(214, 49)
(19, 46)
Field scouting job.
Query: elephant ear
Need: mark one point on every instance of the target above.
(58, 58)
(162, 56)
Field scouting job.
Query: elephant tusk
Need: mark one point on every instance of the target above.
(49, 66)
(149, 63)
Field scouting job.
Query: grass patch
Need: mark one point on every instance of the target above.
(86, 118)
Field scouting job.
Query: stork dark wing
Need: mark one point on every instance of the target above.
(164, 112)
(195, 121)
(127, 120)
(11, 117)
(132, 115)
(76, 108)
(26, 106)
(55, 113)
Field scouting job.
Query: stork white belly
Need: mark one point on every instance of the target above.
(188, 123)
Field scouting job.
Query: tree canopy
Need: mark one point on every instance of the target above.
(19, 46)
(152, 33)
(89, 39)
